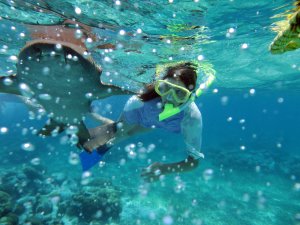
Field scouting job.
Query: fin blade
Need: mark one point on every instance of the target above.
(88, 160)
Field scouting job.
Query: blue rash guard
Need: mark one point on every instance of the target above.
(188, 122)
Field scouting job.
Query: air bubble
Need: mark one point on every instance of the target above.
(242, 121)
(35, 161)
(244, 46)
(78, 34)
(88, 95)
(168, 220)
(280, 100)
(150, 148)
(25, 90)
(200, 57)
(224, 100)
(58, 46)
(132, 154)
(27, 147)
(13, 58)
(3, 130)
(73, 158)
(7, 81)
(297, 186)
(122, 32)
(77, 10)
(231, 30)
(40, 86)
(86, 176)
(72, 129)
(74, 139)
(208, 174)
(46, 97)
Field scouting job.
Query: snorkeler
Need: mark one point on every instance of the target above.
(169, 104)
(288, 38)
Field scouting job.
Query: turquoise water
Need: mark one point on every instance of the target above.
(251, 171)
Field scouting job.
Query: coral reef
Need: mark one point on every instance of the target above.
(28, 196)
(98, 200)
(9, 219)
(5, 203)
(263, 160)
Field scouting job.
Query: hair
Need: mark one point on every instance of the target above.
(184, 72)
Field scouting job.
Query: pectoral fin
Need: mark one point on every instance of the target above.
(51, 127)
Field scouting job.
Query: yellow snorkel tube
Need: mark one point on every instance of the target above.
(208, 72)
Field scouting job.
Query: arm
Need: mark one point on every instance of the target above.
(101, 119)
(191, 128)
(109, 133)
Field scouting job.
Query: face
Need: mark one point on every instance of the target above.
(169, 98)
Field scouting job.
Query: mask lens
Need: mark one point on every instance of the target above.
(181, 94)
(163, 88)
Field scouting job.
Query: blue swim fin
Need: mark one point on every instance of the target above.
(88, 160)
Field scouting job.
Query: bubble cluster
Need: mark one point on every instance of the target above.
(131, 151)
(179, 186)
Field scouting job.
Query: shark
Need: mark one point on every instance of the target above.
(60, 80)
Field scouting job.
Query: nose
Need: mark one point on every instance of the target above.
(170, 97)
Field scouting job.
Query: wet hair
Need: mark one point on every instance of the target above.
(184, 72)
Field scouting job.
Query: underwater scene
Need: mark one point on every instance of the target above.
(149, 112)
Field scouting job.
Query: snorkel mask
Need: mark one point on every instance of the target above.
(165, 88)
(205, 77)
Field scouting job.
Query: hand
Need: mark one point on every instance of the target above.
(153, 172)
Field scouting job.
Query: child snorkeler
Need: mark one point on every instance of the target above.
(168, 103)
